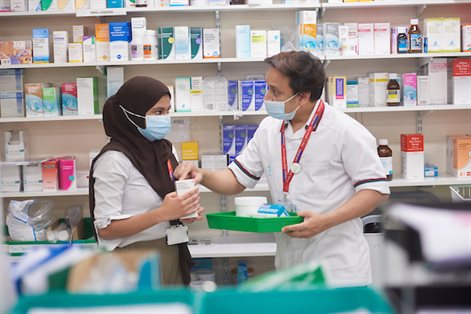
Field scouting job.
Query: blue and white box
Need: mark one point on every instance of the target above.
(228, 139)
(232, 94)
(243, 41)
(251, 129)
(246, 95)
(182, 43)
(11, 80)
(11, 104)
(240, 138)
(331, 39)
(112, 4)
(271, 211)
(41, 45)
(120, 36)
(260, 89)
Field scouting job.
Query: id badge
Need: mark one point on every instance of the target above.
(177, 234)
(286, 202)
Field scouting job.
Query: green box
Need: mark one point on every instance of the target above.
(229, 221)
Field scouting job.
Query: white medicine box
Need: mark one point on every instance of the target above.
(15, 145)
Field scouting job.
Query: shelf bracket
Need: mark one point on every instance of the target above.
(420, 9)
(101, 69)
(219, 66)
(320, 13)
(326, 63)
(218, 19)
(418, 122)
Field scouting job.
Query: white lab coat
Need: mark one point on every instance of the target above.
(339, 160)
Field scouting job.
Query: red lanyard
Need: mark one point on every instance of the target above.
(170, 170)
(288, 176)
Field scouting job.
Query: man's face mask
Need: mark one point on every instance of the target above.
(157, 126)
(276, 109)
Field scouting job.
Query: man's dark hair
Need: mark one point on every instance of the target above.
(305, 72)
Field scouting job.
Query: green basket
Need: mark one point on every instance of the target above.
(229, 221)
(62, 300)
(310, 301)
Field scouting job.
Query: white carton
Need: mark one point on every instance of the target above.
(412, 156)
(196, 93)
(366, 39)
(15, 145)
(452, 34)
(466, 37)
(75, 53)
(258, 44)
(183, 94)
(18, 5)
(183, 187)
(331, 39)
(423, 95)
(89, 49)
(182, 43)
(34, 5)
(97, 4)
(378, 89)
(273, 43)
(350, 47)
(60, 41)
(114, 80)
(306, 17)
(78, 31)
(33, 177)
(86, 95)
(242, 41)
(11, 178)
(382, 40)
(437, 70)
(363, 91)
(211, 43)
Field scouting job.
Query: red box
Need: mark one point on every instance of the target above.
(412, 142)
(462, 67)
(50, 169)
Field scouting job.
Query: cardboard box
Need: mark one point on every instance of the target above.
(102, 37)
(466, 37)
(437, 70)
(41, 45)
(190, 150)
(273, 43)
(33, 177)
(196, 93)
(114, 80)
(15, 145)
(11, 80)
(331, 39)
(382, 40)
(67, 173)
(51, 101)
(350, 46)
(183, 187)
(243, 39)
(240, 138)
(12, 104)
(378, 83)
(87, 96)
(78, 32)
(260, 89)
(120, 36)
(196, 42)
(34, 99)
(423, 87)
(337, 88)
(50, 172)
(69, 99)
(458, 156)
(309, 37)
(89, 49)
(366, 39)
(211, 43)
(60, 40)
(75, 53)
(166, 43)
(182, 43)
(246, 95)
(412, 156)
(11, 179)
(462, 81)
(409, 89)
(183, 94)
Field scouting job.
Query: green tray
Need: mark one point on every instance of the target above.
(229, 221)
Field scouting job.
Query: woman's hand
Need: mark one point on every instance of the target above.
(174, 207)
(191, 220)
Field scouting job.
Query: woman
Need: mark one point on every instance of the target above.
(132, 193)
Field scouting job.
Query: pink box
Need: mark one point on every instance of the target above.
(409, 83)
(50, 170)
(67, 174)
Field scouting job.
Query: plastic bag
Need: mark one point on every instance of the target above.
(28, 220)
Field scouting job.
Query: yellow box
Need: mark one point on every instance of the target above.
(458, 154)
(190, 150)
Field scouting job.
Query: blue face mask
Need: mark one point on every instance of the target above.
(276, 109)
(157, 126)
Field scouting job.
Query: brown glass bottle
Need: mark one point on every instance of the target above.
(394, 91)
(415, 37)
(385, 155)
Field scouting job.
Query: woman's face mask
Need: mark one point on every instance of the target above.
(276, 109)
(157, 126)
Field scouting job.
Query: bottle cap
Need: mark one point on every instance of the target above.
(414, 22)
(383, 141)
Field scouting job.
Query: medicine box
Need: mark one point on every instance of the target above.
(412, 156)
(15, 145)
(458, 155)
(69, 99)
(50, 172)
(211, 43)
(240, 138)
(182, 187)
(87, 96)
(461, 81)
(190, 150)
(183, 94)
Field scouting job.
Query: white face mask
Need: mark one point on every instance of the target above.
(276, 109)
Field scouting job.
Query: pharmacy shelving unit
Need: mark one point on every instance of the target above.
(385, 122)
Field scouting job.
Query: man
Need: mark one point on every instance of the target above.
(319, 162)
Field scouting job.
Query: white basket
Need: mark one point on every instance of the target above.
(461, 193)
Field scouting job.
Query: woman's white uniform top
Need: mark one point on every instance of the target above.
(121, 191)
(339, 160)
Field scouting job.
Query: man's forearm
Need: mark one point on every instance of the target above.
(357, 206)
(221, 181)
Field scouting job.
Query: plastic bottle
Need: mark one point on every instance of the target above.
(394, 91)
(137, 46)
(385, 155)
(415, 37)
(402, 42)
(150, 45)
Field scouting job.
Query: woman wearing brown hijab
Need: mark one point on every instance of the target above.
(132, 193)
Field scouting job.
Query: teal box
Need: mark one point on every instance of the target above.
(196, 42)
(51, 102)
(112, 4)
(166, 37)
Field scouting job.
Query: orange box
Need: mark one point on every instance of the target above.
(190, 150)
(50, 170)
(458, 155)
(412, 142)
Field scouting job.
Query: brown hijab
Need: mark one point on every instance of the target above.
(138, 95)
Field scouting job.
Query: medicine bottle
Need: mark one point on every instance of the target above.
(385, 155)
(137, 46)
(415, 37)
(402, 45)
(150, 45)
(394, 91)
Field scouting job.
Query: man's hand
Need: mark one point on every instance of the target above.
(187, 170)
(312, 225)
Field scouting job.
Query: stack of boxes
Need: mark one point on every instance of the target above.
(412, 156)
(235, 138)
(11, 93)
